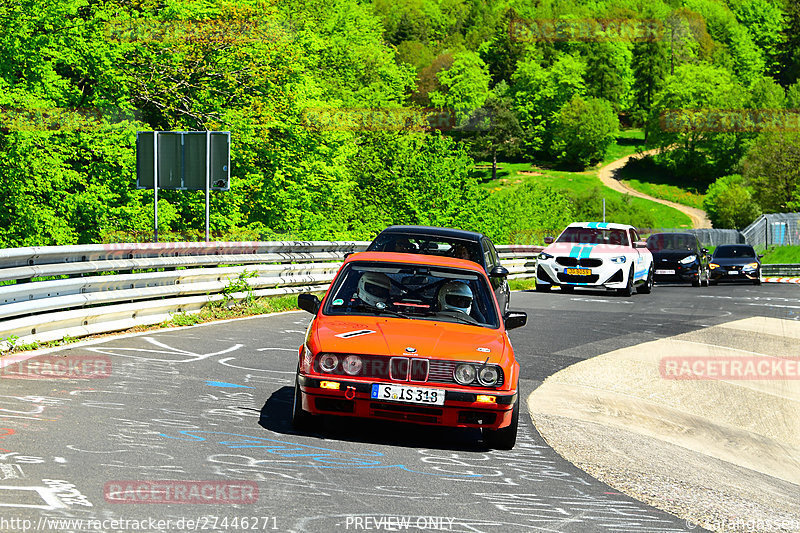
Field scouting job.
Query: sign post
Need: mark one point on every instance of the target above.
(183, 160)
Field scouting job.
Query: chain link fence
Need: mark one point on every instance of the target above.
(776, 229)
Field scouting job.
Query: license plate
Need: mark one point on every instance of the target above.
(579, 272)
(665, 271)
(400, 393)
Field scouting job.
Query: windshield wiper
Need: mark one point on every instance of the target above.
(461, 317)
(380, 310)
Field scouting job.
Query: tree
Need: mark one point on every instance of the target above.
(686, 123)
(584, 129)
(494, 129)
(729, 203)
(540, 92)
(608, 72)
(465, 84)
(650, 64)
(772, 168)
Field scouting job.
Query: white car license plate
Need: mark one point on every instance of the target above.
(400, 393)
(665, 271)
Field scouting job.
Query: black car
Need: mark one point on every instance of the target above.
(429, 240)
(735, 262)
(679, 257)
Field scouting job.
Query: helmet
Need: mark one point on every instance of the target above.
(455, 296)
(373, 287)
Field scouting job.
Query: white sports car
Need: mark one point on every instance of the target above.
(596, 254)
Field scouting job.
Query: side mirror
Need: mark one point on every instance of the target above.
(705, 251)
(760, 257)
(308, 302)
(348, 254)
(498, 272)
(549, 240)
(640, 244)
(515, 319)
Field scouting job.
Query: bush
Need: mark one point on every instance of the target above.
(730, 204)
(584, 131)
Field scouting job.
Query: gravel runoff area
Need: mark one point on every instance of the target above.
(722, 453)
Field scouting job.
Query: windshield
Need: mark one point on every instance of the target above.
(594, 236)
(418, 292)
(672, 241)
(427, 245)
(727, 252)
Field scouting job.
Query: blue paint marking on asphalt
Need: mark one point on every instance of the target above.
(320, 457)
(228, 385)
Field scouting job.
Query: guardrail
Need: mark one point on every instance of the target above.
(97, 288)
(790, 270)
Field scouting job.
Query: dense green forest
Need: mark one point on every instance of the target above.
(79, 78)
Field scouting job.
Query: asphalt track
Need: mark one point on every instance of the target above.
(212, 403)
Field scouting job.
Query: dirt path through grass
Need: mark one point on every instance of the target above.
(608, 175)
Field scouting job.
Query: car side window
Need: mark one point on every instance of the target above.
(633, 235)
(489, 254)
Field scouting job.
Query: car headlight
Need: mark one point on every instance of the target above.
(352, 364)
(544, 256)
(488, 376)
(464, 374)
(688, 259)
(619, 259)
(328, 362)
(712, 266)
(750, 266)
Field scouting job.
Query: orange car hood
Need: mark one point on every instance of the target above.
(392, 336)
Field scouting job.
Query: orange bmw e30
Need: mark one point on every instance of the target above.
(414, 338)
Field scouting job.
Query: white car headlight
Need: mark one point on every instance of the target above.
(688, 259)
(751, 266)
(619, 259)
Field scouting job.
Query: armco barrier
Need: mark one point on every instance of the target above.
(174, 278)
(781, 270)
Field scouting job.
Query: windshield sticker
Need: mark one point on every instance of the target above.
(338, 301)
(357, 333)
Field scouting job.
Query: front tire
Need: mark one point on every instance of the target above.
(647, 287)
(504, 438)
(300, 419)
(627, 291)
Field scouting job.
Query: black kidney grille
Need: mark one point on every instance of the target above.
(567, 261)
(398, 368)
(419, 370)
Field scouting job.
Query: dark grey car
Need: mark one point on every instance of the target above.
(429, 240)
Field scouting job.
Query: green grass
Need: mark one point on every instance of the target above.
(647, 177)
(668, 192)
(629, 142)
(522, 284)
(782, 254)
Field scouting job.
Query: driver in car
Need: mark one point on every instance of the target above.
(374, 288)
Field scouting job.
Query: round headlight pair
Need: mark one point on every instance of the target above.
(466, 373)
(351, 364)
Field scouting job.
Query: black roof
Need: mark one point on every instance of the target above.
(686, 233)
(449, 233)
